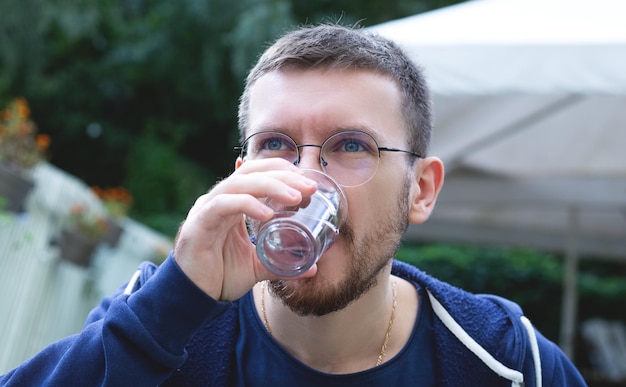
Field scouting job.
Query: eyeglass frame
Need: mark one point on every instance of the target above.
(240, 148)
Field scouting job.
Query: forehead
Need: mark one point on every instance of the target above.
(310, 104)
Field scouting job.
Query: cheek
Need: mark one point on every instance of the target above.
(371, 203)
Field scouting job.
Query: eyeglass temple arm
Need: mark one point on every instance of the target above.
(384, 149)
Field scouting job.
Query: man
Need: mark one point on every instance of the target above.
(213, 315)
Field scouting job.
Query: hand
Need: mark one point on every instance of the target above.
(213, 247)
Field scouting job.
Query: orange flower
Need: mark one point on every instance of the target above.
(91, 224)
(77, 209)
(43, 141)
(25, 129)
(117, 200)
(23, 112)
(19, 143)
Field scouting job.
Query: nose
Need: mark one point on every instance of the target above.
(310, 157)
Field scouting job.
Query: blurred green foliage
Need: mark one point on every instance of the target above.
(129, 90)
(530, 278)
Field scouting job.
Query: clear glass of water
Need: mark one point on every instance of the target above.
(294, 239)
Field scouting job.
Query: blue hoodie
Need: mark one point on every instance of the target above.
(160, 329)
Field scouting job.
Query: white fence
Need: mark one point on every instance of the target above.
(42, 298)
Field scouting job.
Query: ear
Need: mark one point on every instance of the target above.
(238, 162)
(428, 176)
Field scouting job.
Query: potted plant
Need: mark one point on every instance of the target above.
(81, 233)
(20, 149)
(117, 202)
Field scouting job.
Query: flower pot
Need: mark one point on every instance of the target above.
(76, 247)
(114, 232)
(15, 185)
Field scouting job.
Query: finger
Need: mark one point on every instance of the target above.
(275, 167)
(280, 185)
(217, 211)
(270, 164)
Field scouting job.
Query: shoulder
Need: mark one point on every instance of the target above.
(497, 330)
(486, 318)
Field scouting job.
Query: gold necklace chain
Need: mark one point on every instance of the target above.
(381, 355)
(263, 311)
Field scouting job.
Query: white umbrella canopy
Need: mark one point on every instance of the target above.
(492, 47)
(531, 92)
(530, 121)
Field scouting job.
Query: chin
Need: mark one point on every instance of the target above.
(345, 272)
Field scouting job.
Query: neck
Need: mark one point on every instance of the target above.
(346, 341)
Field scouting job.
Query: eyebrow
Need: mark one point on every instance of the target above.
(326, 133)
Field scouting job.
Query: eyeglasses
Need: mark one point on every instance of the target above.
(350, 157)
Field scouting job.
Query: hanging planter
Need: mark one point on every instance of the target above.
(77, 247)
(81, 234)
(114, 232)
(15, 186)
(116, 202)
(21, 148)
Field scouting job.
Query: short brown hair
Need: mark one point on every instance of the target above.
(331, 46)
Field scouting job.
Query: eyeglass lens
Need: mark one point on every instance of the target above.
(349, 157)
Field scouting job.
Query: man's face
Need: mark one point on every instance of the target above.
(309, 106)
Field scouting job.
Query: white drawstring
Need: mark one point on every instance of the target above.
(516, 377)
(131, 284)
(534, 346)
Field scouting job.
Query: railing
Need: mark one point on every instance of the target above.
(43, 298)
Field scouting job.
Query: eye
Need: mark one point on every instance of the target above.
(274, 144)
(271, 144)
(352, 146)
(351, 142)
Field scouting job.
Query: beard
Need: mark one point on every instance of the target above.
(369, 255)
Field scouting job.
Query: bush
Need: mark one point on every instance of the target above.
(531, 278)
(164, 184)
